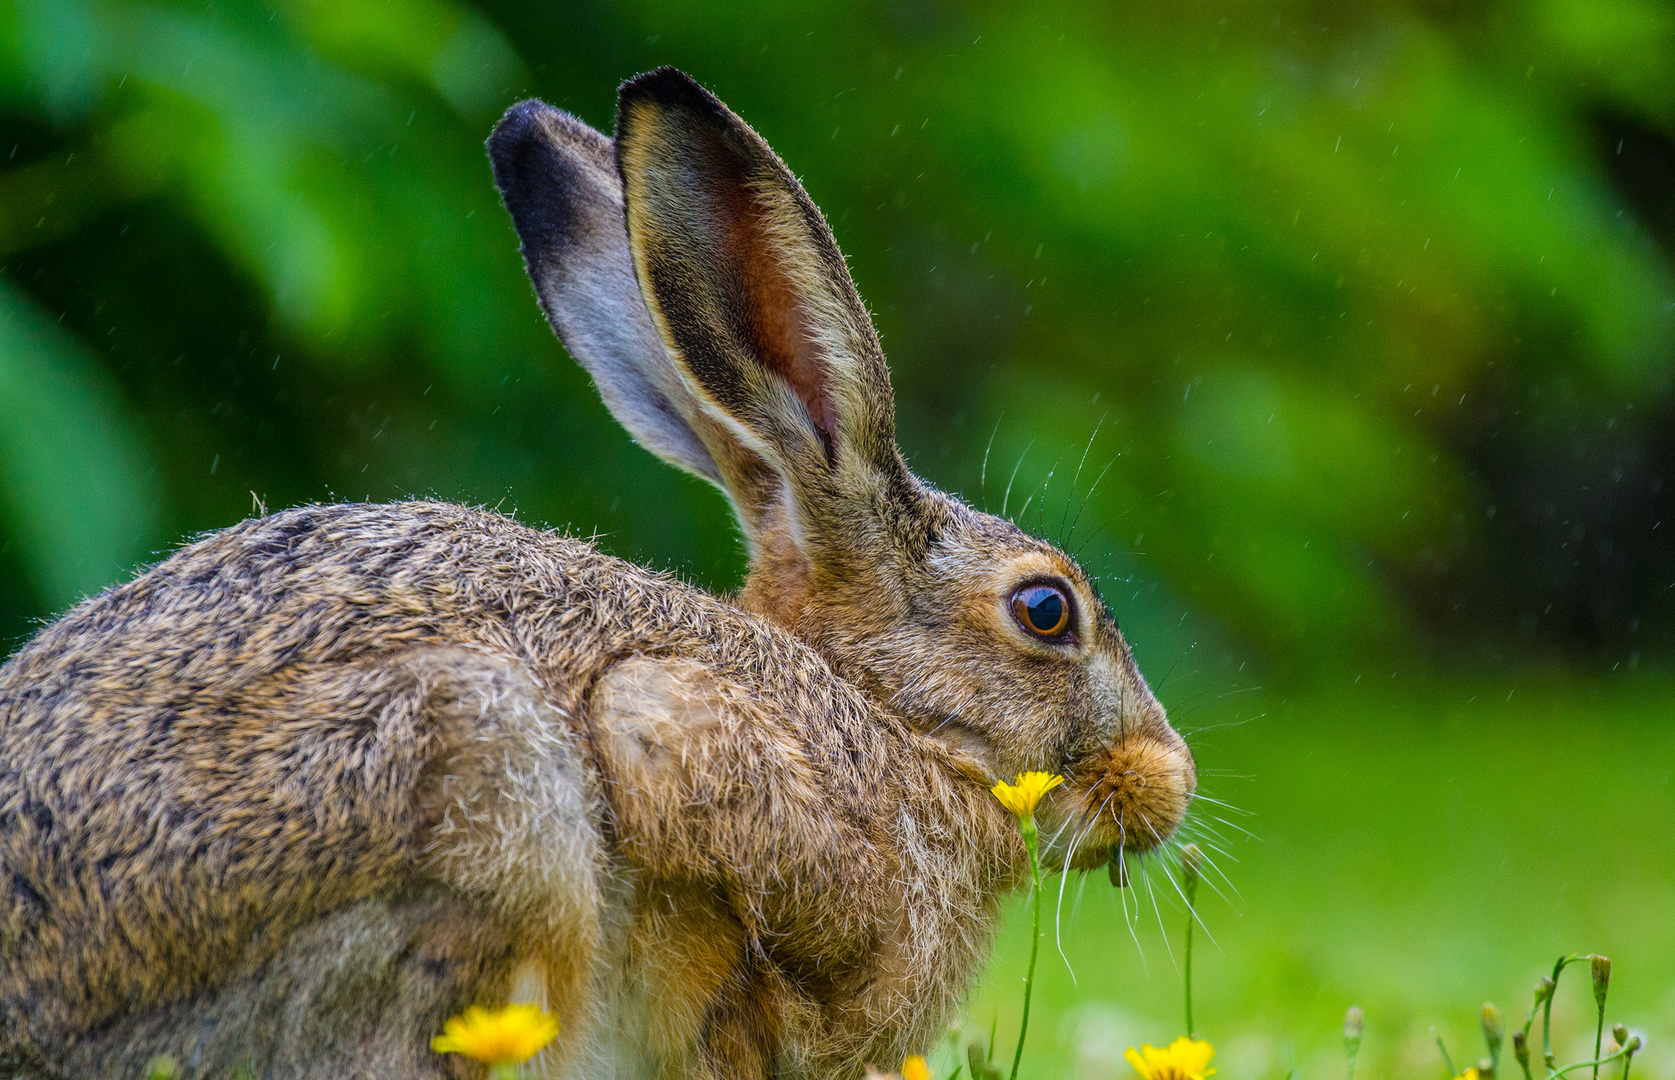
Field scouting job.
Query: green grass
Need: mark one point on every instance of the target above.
(1415, 852)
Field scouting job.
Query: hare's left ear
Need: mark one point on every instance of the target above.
(754, 303)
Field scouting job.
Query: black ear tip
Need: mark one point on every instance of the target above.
(535, 138)
(669, 87)
(510, 141)
(549, 168)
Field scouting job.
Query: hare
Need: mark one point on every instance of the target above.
(312, 784)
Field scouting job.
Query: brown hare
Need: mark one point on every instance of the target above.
(312, 784)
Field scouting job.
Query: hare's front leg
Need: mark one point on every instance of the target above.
(764, 881)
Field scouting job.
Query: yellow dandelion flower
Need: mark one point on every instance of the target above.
(1183, 1059)
(506, 1036)
(914, 1068)
(1469, 1074)
(1021, 797)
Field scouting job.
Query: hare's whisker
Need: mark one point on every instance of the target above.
(1234, 825)
(1076, 901)
(1191, 908)
(1226, 805)
(1158, 689)
(1196, 827)
(1086, 499)
(1146, 869)
(1078, 473)
(1064, 876)
(1053, 840)
(1095, 534)
(1209, 862)
(1199, 839)
(983, 477)
(1122, 856)
(1041, 510)
(1006, 500)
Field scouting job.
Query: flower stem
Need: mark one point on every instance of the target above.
(1620, 1055)
(1027, 825)
(1189, 970)
(1191, 867)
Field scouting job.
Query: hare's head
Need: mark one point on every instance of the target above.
(690, 273)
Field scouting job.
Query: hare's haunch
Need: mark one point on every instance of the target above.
(295, 795)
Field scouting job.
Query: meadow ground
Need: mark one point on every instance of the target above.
(1414, 852)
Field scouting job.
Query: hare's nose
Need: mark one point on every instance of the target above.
(1144, 786)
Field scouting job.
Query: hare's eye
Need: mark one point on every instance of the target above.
(1043, 610)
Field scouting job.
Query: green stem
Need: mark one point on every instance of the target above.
(1595, 1063)
(1447, 1061)
(1028, 826)
(1189, 971)
(1547, 1022)
(1547, 1013)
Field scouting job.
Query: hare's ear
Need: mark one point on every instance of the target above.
(558, 178)
(755, 305)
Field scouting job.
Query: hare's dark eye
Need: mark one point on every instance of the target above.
(1043, 610)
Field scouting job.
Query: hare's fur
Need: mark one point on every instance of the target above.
(316, 782)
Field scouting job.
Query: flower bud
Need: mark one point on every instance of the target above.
(1544, 989)
(1192, 868)
(1521, 1049)
(1633, 1044)
(1601, 966)
(1493, 1030)
(1486, 1068)
(1354, 1022)
(1620, 1033)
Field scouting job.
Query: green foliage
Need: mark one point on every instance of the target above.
(1370, 311)
(73, 467)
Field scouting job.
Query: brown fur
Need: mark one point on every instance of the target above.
(314, 783)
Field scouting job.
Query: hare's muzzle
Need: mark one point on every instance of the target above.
(1134, 794)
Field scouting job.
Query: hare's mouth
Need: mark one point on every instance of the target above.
(1133, 797)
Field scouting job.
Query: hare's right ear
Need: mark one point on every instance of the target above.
(558, 178)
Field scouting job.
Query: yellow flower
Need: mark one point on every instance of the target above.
(914, 1068)
(1021, 797)
(1183, 1059)
(504, 1037)
(1469, 1074)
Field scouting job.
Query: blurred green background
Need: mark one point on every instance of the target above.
(1338, 340)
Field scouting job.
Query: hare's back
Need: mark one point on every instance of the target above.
(219, 751)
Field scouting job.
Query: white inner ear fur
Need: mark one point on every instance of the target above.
(606, 324)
